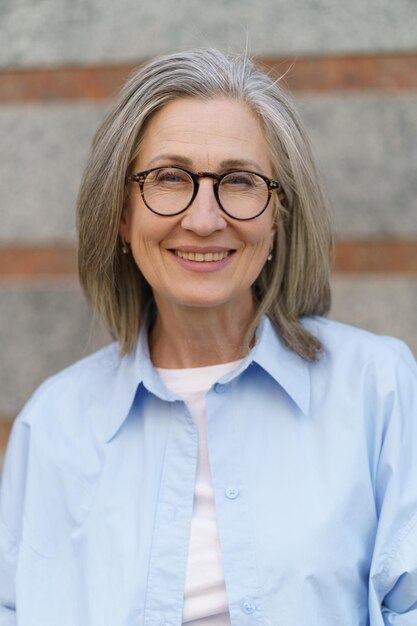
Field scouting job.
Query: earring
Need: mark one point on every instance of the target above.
(269, 257)
(125, 247)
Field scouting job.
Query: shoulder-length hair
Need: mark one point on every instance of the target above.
(295, 284)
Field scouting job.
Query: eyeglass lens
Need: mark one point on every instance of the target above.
(168, 190)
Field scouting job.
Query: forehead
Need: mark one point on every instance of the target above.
(214, 130)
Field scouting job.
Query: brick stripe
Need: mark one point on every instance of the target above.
(377, 256)
(5, 426)
(62, 83)
(352, 256)
(29, 263)
(381, 73)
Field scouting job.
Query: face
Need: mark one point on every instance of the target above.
(202, 257)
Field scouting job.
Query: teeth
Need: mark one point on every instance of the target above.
(199, 256)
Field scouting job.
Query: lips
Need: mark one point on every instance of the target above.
(202, 257)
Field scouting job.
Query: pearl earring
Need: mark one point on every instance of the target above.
(125, 247)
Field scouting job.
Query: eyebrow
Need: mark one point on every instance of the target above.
(230, 163)
(227, 164)
(175, 158)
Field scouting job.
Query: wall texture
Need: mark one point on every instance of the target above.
(48, 32)
(352, 69)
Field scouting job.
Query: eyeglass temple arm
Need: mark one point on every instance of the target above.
(274, 184)
(135, 177)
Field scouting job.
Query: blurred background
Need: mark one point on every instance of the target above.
(351, 68)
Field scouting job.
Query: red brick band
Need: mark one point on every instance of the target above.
(383, 256)
(5, 426)
(36, 263)
(372, 72)
(376, 73)
(386, 256)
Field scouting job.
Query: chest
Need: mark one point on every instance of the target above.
(293, 496)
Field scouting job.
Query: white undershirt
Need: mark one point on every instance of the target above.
(205, 599)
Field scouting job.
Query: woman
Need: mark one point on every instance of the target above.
(234, 458)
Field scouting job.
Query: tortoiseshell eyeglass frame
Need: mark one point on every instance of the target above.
(272, 185)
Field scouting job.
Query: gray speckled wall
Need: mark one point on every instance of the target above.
(68, 31)
(366, 144)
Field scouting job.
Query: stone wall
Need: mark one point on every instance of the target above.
(352, 69)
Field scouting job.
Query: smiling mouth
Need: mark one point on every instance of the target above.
(201, 257)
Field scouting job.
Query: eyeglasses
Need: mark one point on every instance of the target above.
(241, 194)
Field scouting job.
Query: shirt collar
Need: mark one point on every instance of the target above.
(135, 369)
(290, 371)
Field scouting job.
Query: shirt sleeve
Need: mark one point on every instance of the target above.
(393, 576)
(11, 514)
(8, 559)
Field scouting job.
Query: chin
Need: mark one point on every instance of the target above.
(202, 303)
(213, 301)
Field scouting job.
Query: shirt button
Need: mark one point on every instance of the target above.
(232, 493)
(248, 607)
(219, 388)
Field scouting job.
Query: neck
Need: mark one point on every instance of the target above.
(194, 337)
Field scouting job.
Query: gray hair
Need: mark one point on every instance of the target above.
(295, 284)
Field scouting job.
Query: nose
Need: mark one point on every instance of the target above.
(204, 215)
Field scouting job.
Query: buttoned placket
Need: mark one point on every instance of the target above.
(170, 543)
(236, 538)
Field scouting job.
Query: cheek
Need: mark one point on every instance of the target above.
(148, 233)
(148, 230)
(259, 235)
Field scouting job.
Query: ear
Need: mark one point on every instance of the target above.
(282, 198)
(272, 242)
(125, 223)
(274, 226)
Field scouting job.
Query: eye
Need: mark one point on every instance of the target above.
(169, 176)
(242, 180)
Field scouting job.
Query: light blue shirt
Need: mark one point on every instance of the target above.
(314, 471)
